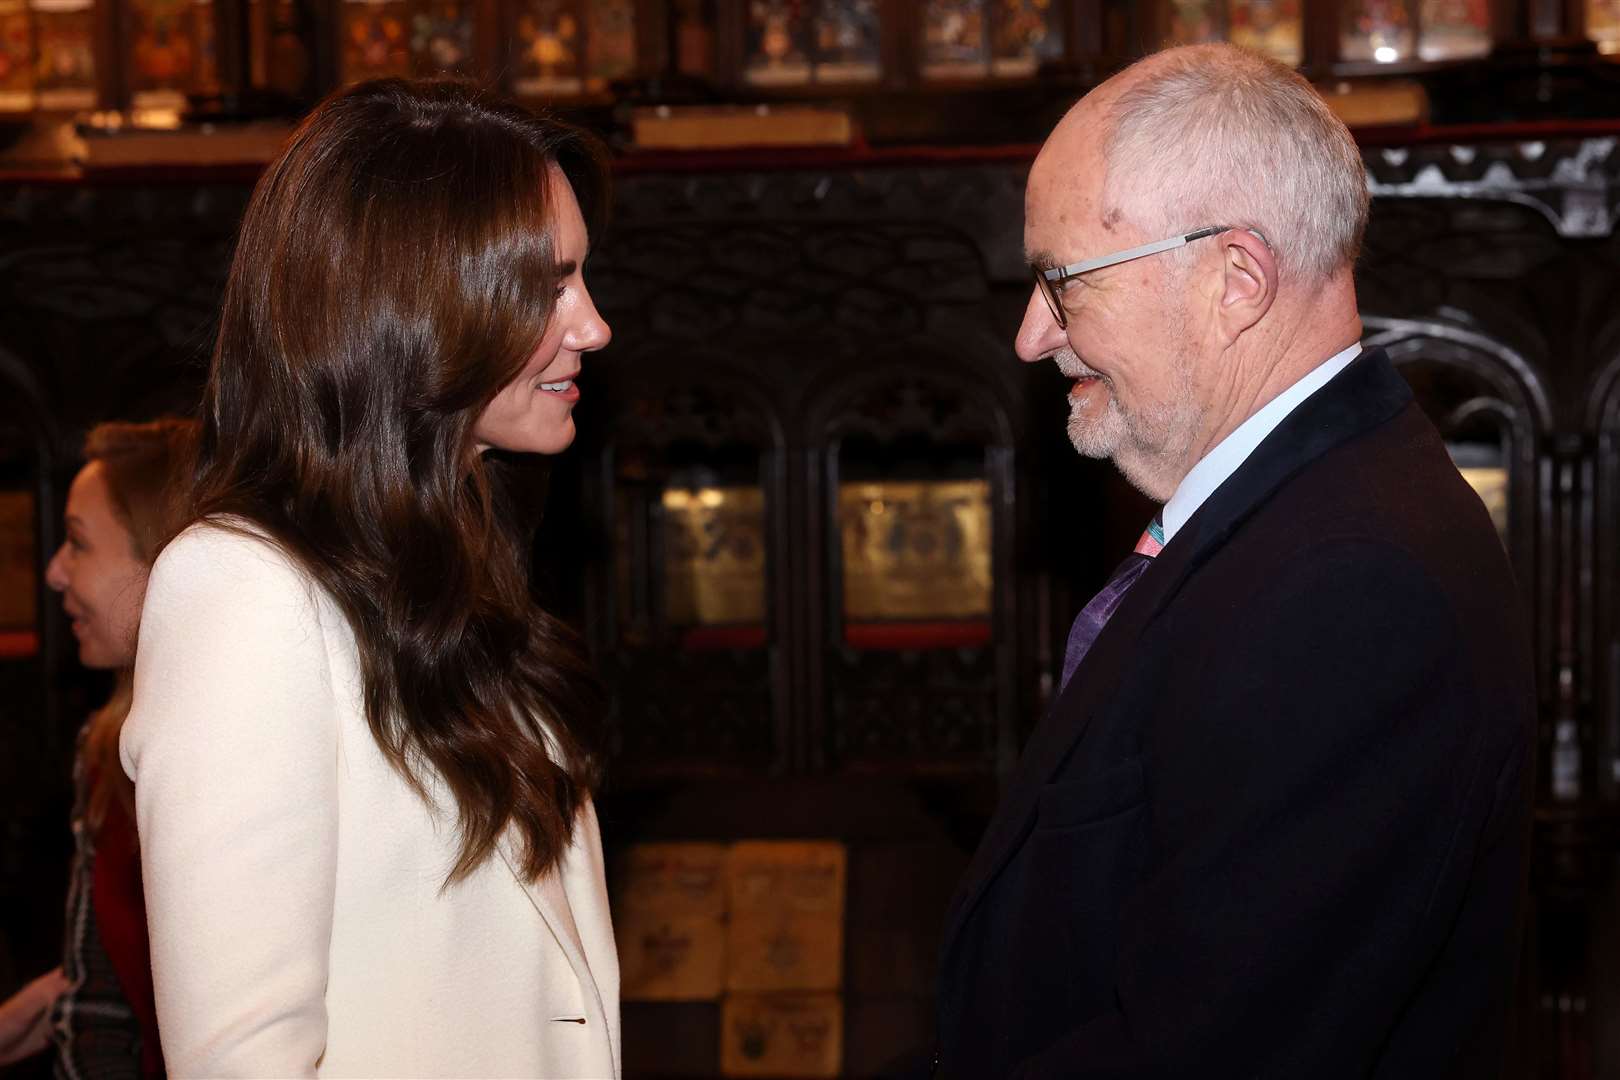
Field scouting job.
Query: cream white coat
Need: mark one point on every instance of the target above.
(295, 884)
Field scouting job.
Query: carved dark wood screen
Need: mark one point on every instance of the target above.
(784, 336)
(764, 348)
(935, 694)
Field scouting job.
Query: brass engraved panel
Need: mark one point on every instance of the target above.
(916, 550)
(714, 568)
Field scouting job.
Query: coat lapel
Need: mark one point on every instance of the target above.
(1365, 395)
(551, 902)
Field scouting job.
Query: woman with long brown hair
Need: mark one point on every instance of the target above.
(363, 757)
(97, 1007)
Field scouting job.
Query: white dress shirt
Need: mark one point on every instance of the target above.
(1214, 467)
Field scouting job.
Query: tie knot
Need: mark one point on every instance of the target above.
(1152, 541)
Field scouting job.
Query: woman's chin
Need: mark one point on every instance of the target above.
(553, 440)
(95, 659)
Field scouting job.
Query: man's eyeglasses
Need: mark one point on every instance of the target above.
(1048, 282)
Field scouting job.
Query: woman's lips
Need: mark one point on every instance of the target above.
(567, 389)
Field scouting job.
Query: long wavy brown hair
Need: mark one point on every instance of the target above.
(395, 270)
(146, 467)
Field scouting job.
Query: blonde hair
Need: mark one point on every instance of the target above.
(146, 467)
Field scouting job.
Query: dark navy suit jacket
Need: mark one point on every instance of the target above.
(1276, 825)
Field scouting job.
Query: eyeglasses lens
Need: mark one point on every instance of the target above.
(1050, 293)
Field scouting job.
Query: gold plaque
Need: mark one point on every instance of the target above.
(787, 915)
(787, 1035)
(671, 929)
(714, 567)
(916, 551)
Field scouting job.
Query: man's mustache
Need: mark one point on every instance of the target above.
(1072, 367)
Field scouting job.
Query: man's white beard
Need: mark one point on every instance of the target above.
(1149, 448)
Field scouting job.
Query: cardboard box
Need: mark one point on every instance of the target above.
(787, 916)
(670, 922)
(786, 1035)
(675, 957)
(689, 878)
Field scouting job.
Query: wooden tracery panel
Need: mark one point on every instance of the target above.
(914, 635)
(686, 615)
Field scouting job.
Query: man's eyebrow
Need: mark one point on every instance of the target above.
(1041, 259)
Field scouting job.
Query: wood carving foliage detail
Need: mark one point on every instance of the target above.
(923, 708)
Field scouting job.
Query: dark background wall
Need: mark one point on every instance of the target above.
(792, 326)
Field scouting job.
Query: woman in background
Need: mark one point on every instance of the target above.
(98, 1006)
(363, 757)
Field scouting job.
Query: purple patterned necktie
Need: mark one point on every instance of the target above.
(1089, 623)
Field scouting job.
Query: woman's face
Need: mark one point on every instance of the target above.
(101, 581)
(534, 413)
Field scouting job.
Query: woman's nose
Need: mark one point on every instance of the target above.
(591, 332)
(56, 570)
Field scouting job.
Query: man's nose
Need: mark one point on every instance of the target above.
(1039, 334)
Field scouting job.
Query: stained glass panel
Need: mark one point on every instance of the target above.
(778, 43)
(848, 38)
(66, 72)
(1193, 22)
(16, 57)
(1028, 33)
(548, 45)
(442, 37)
(281, 38)
(165, 53)
(376, 40)
(1269, 26)
(206, 79)
(1377, 30)
(611, 43)
(1454, 29)
(955, 39)
(694, 37)
(1603, 24)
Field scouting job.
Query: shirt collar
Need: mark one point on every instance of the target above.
(1214, 467)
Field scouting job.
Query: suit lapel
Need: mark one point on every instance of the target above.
(1365, 395)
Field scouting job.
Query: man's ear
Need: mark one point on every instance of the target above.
(1248, 281)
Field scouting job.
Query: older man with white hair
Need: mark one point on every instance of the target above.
(1275, 822)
